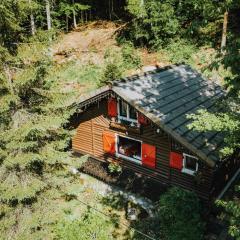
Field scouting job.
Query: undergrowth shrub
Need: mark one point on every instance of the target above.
(131, 58)
(118, 62)
(179, 213)
(89, 226)
(112, 71)
(114, 168)
(231, 212)
(180, 50)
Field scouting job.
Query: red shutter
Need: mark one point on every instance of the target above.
(176, 160)
(148, 155)
(142, 119)
(109, 142)
(112, 107)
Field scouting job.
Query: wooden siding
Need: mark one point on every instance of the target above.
(88, 139)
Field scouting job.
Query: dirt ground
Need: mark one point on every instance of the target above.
(89, 43)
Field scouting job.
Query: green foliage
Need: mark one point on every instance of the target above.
(150, 226)
(82, 228)
(179, 214)
(68, 8)
(117, 63)
(232, 214)
(179, 51)
(17, 187)
(226, 123)
(113, 68)
(77, 162)
(114, 168)
(115, 200)
(74, 75)
(131, 59)
(34, 139)
(9, 24)
(153, 22)
(156, 22)
(111, 72)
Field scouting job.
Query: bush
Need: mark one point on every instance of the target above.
(131, 59)
(117, 62)
(180, 50)
(179, 213)
(112, 71)
(153, 24)
(114, 168)
(231, 213)
(149, 226)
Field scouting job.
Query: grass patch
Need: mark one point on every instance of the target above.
(75, 76)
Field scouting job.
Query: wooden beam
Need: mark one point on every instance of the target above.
(228, 184)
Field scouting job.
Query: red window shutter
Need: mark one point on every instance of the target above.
(109, 142)
(176, 160)
(148, 155)
(142, 119)
(112, 107)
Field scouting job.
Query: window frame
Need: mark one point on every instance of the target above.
(187, 170)
(128, 113)
(126, 157)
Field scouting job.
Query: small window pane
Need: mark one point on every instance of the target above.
(132, 113)
(129, 148)
(190, 163)
(123, 108)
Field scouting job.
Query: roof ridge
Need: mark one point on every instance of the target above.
(144, 74)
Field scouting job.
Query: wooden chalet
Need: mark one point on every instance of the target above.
(141, 122)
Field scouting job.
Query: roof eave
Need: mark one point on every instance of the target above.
(172, 133)
(82, 100)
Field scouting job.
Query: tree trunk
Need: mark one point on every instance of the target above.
(48, 15)
(74, 16)
(109, 9)
(224, 32)
(66, 23)
(82, 20)
(74, 20)
(112, 8)
(33, 28)
(32, 22)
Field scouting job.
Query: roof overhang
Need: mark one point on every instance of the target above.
(169, 131)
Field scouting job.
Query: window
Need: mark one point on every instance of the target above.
(129, 148)
(126, 112)
(123, 109)
(132, 113)
(190, 165)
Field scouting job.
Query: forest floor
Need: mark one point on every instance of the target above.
(89, 43)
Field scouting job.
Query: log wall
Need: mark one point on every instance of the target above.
(88, 140)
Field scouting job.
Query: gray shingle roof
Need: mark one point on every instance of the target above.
(167, 96)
